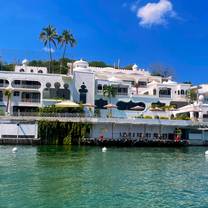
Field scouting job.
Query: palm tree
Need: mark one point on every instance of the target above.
(109, 92)
(49, 36)
(136, 85)
(8, 94)
(65, 39)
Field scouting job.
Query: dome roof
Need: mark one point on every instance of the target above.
(134, 67)
(80, 62)
(201, 98)
(25, 62)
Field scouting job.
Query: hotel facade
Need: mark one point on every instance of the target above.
(143, 105)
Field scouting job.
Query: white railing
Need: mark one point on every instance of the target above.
(26, 86)
(30, 100)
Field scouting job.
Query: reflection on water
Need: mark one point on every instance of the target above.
(56, 176)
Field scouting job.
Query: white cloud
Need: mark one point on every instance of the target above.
(46, 49)
(155, 13)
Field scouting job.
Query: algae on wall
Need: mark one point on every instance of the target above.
(55, 132)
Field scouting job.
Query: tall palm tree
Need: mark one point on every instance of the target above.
(65, 39)
(8, 94)
(49, 37)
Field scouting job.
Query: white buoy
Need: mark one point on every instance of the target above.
(14, 150)
(104, 149)
(206, 153)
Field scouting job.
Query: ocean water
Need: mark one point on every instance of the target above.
(53, 177)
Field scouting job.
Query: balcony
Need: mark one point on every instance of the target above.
(3, 85)
(164, 96)
(26, 86)
(30, 100)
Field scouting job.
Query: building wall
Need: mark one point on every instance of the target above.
(8, 129)
(119, 129)
(86, 78)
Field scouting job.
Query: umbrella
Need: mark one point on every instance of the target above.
(138, 107)
(110, 106)
(89, 105)
(67, 104)
(155, 109)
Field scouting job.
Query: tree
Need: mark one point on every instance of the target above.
(192, 95)
(136, 85)
(49, 37)
(109, 92)
(8, 94)
(158, 69)
(98, 64)
(65, 39)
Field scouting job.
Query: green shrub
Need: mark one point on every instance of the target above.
(164, 118)
(147, 117)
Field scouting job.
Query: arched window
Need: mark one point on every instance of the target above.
(66, 86)
(31, 70)
(154, 92)
(179, 92)
(57, 85)
(40, 71)
(48, 84)
(182, 92)
(22, 70)
(99, 87)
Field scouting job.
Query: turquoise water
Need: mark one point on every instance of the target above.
(56, 177)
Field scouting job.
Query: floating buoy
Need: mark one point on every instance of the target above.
(206, 153)
(104, 149)
(14, 150)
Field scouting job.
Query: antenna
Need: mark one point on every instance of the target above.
(118, 63)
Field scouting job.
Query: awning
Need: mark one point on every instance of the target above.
(67, 104)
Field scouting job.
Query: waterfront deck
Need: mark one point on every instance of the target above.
(135, 143)
(80, 118)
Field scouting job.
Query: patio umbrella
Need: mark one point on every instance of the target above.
(110, 106)
(89, 105)
(67, 104)
(138, 107)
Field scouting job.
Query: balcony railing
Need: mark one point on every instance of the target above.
(165, 96)
(30, 100)
(4, 85)
(26, 86)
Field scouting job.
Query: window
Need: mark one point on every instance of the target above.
(52, 93)
(4, 83)
(66, 86)
(1, 96)
(142, 84)
(99, 87)
(179, 92)
(31, 70)
(16, 94)
(40, 71)
(57, 85)
(48, 84)
(22, 70)
(154, 92)
(182, 92)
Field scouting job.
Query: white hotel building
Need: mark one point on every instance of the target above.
(32, 87)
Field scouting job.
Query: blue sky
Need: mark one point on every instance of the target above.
(171, 32)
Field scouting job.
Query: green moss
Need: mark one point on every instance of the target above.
(62, 133)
